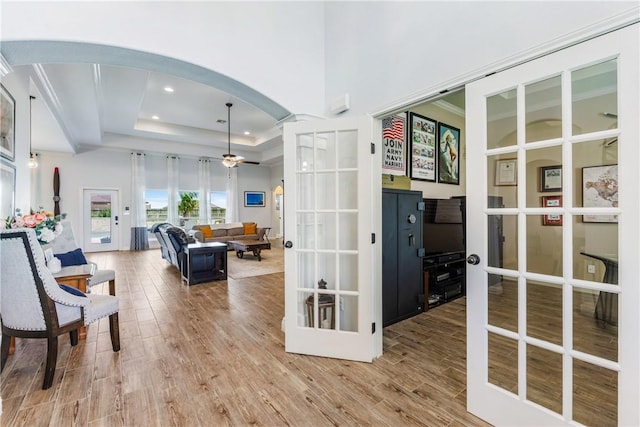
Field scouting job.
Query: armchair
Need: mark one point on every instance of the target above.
(33, 305)
(66, 242)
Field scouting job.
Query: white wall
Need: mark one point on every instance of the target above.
(19, 90)
(384, 52)
(276, 48)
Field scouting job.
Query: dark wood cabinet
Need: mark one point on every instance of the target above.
(402, 286)
(444, 277)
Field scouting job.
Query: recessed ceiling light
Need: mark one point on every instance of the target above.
(168, 89)
(246, 132)
(155, 117)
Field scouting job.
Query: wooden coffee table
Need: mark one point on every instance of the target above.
(255, 246)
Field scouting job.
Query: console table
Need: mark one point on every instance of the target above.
(204, 262)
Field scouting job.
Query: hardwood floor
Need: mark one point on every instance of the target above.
(213, 354)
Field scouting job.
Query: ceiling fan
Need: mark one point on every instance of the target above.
(231, 160)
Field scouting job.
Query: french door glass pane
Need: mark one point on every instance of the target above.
(544, 378)
(306, 269)
(595, 253)
(544, 311)
(502, 173)
(348, 272)
(594, 387)
(304, 153)
(325, 191)
(328, 268)
(590, 334)
(594, 95)
(349, 313)
(543, 110)
(503, 304)
(306, 234)
(501, 119)
(325, 151)
(326, 230)
(544, 246)
(544, 169)
(595, 169)
(347, 149)
(348, 190)
(503, 362)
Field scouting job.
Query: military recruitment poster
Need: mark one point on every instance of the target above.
(394, 145)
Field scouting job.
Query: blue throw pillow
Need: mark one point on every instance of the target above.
(72, 290)
(75, 257)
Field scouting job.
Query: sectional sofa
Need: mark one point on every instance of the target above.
(228, 231)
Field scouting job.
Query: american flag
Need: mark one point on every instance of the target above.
(393, 128)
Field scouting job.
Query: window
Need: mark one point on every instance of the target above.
(157, 202)
(218, 206)
(189, 207)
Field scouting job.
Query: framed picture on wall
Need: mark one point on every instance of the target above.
(448, 154)
(394, 145)
(551, 178)
(506, 172)
(7, 188)
(552, 202)
(7, 124)
(600, 190)
(254, 198)
(422, 155)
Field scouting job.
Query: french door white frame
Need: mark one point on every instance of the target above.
(488, 401)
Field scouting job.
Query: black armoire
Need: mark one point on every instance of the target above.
(402, 278)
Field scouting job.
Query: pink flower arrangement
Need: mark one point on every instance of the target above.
(46, 224)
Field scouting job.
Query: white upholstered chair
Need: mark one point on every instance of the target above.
(66, 242)
(34, 306)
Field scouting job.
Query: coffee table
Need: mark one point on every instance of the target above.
(254, 246)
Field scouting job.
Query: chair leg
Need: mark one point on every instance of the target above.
(52, 356)
(112, 287)
(115, 332)
(4, 351)
(73, 337)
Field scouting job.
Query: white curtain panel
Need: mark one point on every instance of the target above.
(139, 238)
(173, 175)
(139, 214)
(204, 178)
(232, 196)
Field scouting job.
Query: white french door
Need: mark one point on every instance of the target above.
(333, 199)
(100, 220)
(553, 324)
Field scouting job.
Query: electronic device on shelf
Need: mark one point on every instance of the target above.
(442, 229)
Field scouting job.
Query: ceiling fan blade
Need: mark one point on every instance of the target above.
(249, 162)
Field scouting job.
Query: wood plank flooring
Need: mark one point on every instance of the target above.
(213, 355)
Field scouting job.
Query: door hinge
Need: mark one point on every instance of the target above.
(373, 238)
(373, 148)
(421, 252)
(373, 328)
(421, 206)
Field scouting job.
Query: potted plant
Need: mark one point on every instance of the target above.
(188, 203)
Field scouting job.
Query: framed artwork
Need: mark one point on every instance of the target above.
(506, 172)
(448, 157)
(394, 144)
(600, 190)
(254, 198)
(7, 124)
(7, 188)
(552, 202)
(422, 155)
(551, 178)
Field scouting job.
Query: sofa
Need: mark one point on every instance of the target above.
(172, 241)
(229, 231)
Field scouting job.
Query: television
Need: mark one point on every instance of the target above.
(254, 198)
(442, 228)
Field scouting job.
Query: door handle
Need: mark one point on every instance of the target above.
(288, 244)
(473, 259)
(412, 240)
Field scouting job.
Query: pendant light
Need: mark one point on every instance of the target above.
(33, 163)
(229, 160)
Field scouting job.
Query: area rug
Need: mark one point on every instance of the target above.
(249, 266)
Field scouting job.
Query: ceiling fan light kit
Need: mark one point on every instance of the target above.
(230, 160)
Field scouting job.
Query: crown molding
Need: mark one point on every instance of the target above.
(5, 67)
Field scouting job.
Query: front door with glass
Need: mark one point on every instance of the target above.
(100, 213)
